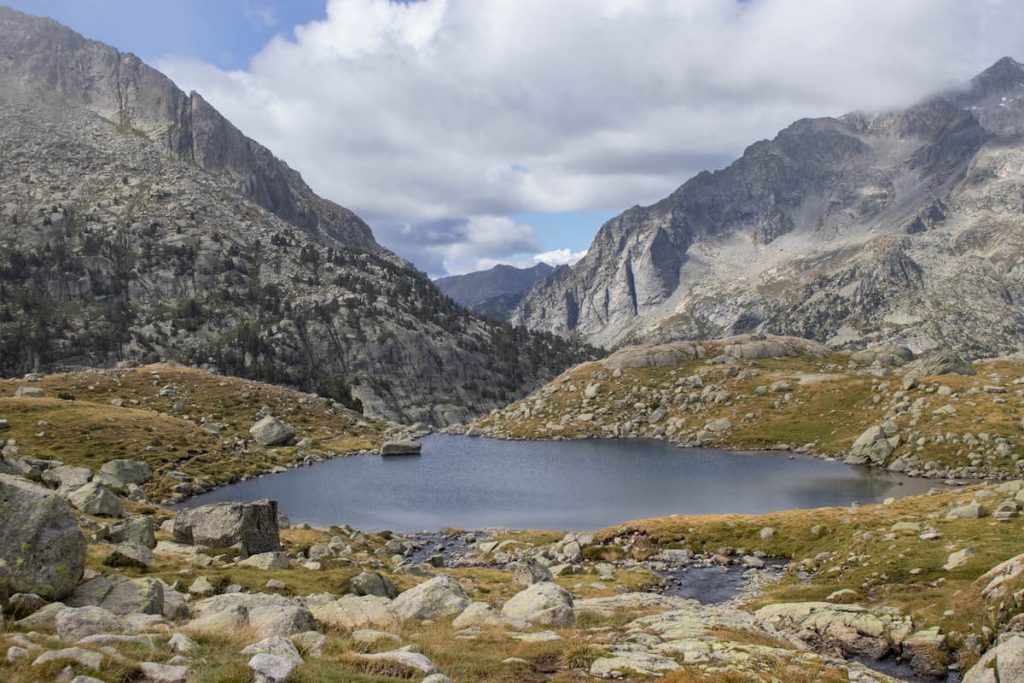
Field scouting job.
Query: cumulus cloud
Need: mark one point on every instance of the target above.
(559, 257)
(457, 113)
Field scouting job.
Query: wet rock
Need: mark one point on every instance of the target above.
(403, 447)
(42, 549)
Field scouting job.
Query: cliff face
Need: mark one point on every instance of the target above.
(137, 224)
(848, 230)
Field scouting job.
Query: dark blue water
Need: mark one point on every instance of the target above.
(471, 483)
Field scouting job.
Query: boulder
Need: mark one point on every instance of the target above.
(886, 356)
(1004, 662)
(529, 571)
(401, 447)
(958, 559)
(404, 658)
(67, 478)
(130, 555)
(76, 655)
(661, 355)
(128, 471)
(874, 445)
(481, 614)
(29, 392)
(253, 526)
(96, 499)
(220, 621)
(120, 595)
(154, 672)
(42, 550)
(281, 621)
(269, 431)
(75, 623)
(754, 346)
(440, 596)
(274, 645)
(372, 583)
(542, 603)
(272, 668)
(138, 529)
(352, 612)
(266, 561)
(855, 630)
(939, 363)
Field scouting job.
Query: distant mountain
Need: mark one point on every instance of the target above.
(137, 223)
(495, 292)
(904, 226)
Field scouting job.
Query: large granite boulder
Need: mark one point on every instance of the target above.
(128, 471)
(1004, 662)
(441, 596)
(661, 355)
(253, 526)
(270, 431)
(939, 363)
(544, 603)
(42, 550)
(120, 595)
(96, 499)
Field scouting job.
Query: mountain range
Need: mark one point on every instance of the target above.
(897, 227)
(139, 224)
(495, 292)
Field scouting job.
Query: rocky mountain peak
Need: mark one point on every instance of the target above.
(854, 230)
(51, 60)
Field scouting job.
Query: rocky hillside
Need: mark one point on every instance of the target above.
(495, 292)
(898, 227)
(934, 416)
(139, 224)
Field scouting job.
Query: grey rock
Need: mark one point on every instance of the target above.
(96, 499)
(272, 668)
(78, 655)
(130, 555)
(67, 478)
(138, 529)
(269, 431)
(253, 526)
(128, 471)
(155, 672)
(1004, 662)
(440, 596)
(75, 623)
(372, 583)
(543, 603)
(120, 595)
(529, 571)
(403, 447)
(42, 550)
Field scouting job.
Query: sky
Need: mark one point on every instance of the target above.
(474, 132)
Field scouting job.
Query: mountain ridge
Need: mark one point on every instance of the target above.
(832, 230)
(140, 225)
(493, 292)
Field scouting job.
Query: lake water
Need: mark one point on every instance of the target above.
(471, 483)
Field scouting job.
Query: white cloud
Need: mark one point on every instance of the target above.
(467, 110)
(559, 257)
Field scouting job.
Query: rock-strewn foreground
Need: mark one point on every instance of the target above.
(99, 582)
(935, 416)
(139, 224)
